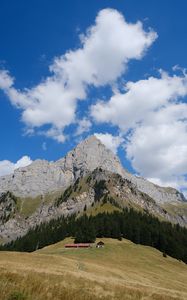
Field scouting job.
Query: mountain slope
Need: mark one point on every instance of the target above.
(32, 194)
(128, 271)
(42, 177)
(97, 188)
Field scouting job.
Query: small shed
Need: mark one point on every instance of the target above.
(100, 244)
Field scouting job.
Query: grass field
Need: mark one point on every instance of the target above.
(121, 270)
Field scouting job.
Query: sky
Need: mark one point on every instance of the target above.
(116, 69)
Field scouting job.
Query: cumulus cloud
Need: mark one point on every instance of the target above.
(105, 50)
(150, 114)
(153, 111)
(110, 141)
(7, 167)
(84, 125)
(6, 81)
(128, 109)
(177, 182)
(159, 150)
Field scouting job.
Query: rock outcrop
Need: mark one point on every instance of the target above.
(42, 177)
(96, 188)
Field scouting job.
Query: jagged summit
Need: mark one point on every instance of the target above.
(89, 155)
(42, 176)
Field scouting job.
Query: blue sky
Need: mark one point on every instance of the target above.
(115, 87)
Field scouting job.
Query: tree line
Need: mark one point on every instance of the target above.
(140, 228)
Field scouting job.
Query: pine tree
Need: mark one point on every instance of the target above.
(86, 231)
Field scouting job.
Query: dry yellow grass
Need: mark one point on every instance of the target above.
(121, 270)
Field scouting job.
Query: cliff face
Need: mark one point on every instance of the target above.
(88, 176)
(94, 192)
(43, 177)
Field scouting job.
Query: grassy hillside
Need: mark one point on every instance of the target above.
(121, 270)
(100, 208)
(27, 206)
(176, 208)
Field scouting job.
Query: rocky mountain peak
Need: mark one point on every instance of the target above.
(43, 177)
(89, 155)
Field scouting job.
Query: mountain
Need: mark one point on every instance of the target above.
(42, 177)
(91, 178)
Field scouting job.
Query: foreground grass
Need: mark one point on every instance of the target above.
(121, 270)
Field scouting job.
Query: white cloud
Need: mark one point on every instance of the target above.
(153, 111)
(23, 162)
(177, 182)
(110, 141)
(128, 109)
(105, 50)
(8, 167)
(6, 81)
(55, 133)
(157, 147)
(84, 125)
(159, 150)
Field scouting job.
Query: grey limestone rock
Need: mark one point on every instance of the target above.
(42, 177)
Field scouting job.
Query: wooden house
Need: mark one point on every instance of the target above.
(100, 244)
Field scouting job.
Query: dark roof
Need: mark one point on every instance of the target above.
(100, 243)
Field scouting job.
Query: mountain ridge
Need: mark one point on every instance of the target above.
(46, 190)
(94, 189)
(42, 177)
